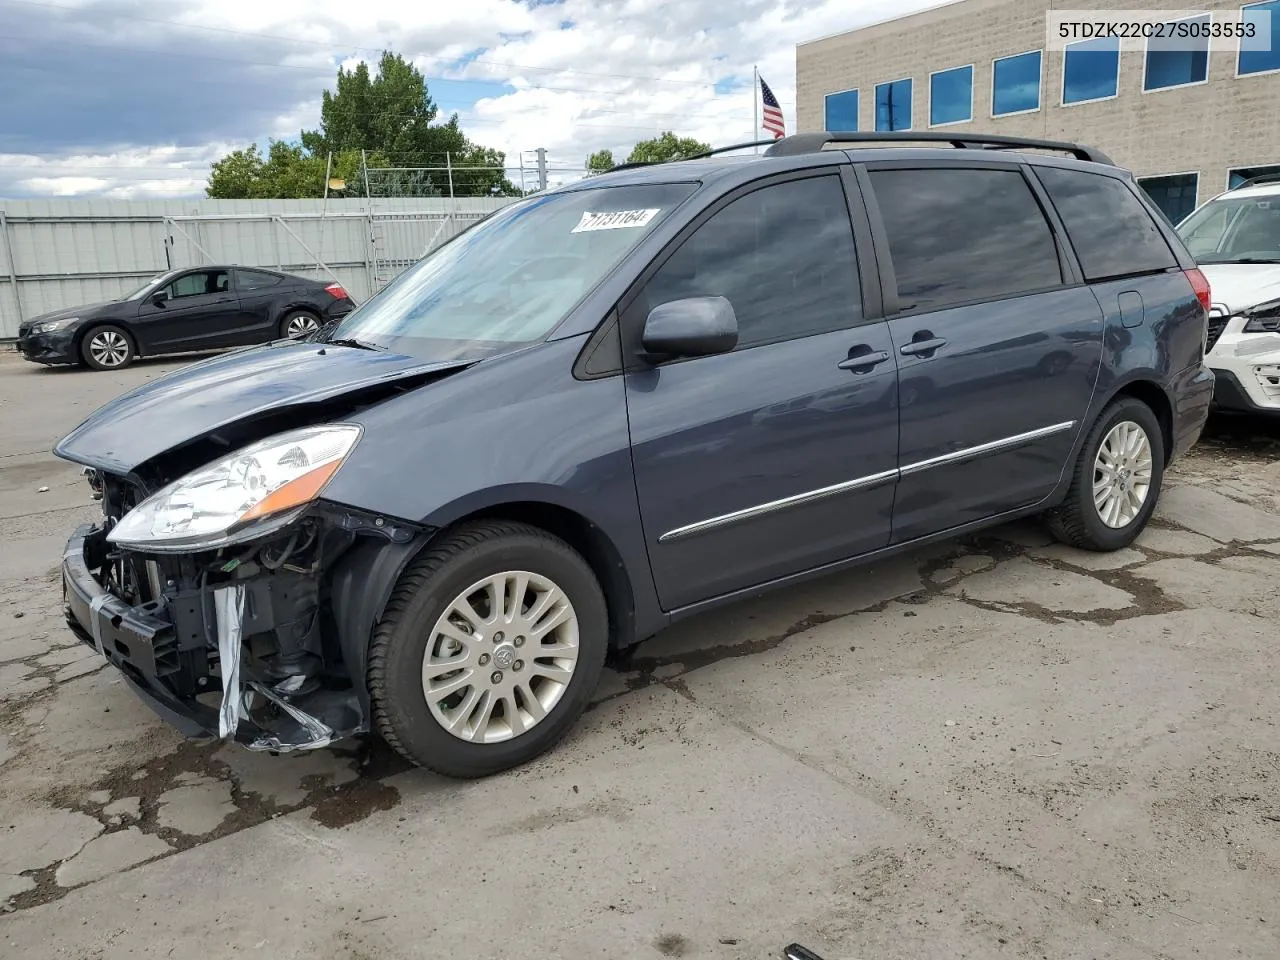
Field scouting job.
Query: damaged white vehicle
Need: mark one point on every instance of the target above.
(1235, 238)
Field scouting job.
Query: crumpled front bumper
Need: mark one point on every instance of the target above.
(56, 347)
(145, 645)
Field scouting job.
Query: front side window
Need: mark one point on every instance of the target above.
(1175, 61)
(1175, 195)
(962, 235)
(842, 111)
(1261, 53)
(893, 106)
(951, 96)
(1234, 230)
(513, 277)
(782, 255)
(200, 283)
(1111, 232)
(1090, 70)
(1015, 84)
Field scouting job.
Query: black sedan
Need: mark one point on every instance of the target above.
(203, 308)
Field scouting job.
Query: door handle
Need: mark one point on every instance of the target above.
(225, 300)
(922, 348)
(863, 362)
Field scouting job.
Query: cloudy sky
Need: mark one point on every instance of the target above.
(134, 98)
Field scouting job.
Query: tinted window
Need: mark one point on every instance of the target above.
(1112, 233)
(782, 255)
(1090, 70)
(951, 95)
(1260, 52)
(962, 235)
(893, 105)
(1174, 195)
(1015, 84)
(255, 279)
(1170, 62)
(842, 110)
(198, 284)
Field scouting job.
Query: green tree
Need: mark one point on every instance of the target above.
(666, 147)
(391, 116)
(600, 161)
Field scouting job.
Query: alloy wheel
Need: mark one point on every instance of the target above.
(1122, 474)
(108, 348)
(500, 657)
(300, 326)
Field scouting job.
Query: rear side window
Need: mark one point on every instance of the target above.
(255, 279)
(783, 256)
(960, 235)
(1111, 231)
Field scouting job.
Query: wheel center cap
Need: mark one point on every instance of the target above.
(504, 656)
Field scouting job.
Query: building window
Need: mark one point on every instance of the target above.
(1174, 194)
(842, 111)
(1243, 174)
(893, 105)
(1171, 64)
(951, 96)
(1090, 70)
(1015, 83)
(1257, 60)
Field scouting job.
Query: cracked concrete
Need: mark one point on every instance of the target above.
(993, 747)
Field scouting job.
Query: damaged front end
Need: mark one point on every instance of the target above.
(261, 636)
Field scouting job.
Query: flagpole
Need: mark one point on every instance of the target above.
(755, 105)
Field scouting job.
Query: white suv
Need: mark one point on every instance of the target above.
(1235, 237)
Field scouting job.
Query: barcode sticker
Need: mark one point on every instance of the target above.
(615, 220)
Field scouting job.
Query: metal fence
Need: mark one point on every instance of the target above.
(64, 253)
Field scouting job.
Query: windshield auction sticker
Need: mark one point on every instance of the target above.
(615, 220)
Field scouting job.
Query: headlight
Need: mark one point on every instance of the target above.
(252, 492)
(48, 326)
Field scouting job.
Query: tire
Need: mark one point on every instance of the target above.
(1079, 520)
(411, 628)
(107, 347)
(301, 322)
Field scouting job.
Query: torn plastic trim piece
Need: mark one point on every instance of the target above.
(228, 605)
(318, 733)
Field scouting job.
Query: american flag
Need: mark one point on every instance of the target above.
(772, 112)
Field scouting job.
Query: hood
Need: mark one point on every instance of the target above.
(1238, 286)
(199, 399)
(85, 311)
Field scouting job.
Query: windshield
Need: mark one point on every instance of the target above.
(137, 294)
(512, 277)
(1241, 230)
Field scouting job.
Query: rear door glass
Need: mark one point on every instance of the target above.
(1111, 232)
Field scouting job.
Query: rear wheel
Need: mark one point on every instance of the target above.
(1116, 482)
(489, 650)
(299, 324)
(107, 348)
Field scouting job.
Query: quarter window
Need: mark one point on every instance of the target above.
(255, 279)
(783, 256)
(1261, 53)
(893, 106)
(951, 96)
(842, 111)
(1109, 228)
(1175, 61)
(1015, 84)
(960, 235)
(1090, 70)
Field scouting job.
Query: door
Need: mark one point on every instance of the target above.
(198, 311)
(780, 455)
(998, 345)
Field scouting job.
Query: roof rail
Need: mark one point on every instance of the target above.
(813, 142)
(695, 156)
(1257, 181)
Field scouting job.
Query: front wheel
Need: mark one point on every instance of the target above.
(1116, 481)
(490, 648)
(107, 348)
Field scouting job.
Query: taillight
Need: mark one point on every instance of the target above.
(339, 292)
(1201, 286)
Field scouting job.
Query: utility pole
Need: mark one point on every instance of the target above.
(542, 168)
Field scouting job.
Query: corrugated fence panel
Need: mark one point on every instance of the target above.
(67, 253)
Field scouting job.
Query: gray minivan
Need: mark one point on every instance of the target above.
(615, 404)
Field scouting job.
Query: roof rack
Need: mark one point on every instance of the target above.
(696, 156)
(813, 142)
(1257, 181)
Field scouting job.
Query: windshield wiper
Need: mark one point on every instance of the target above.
(359, 344)
(1243, 260)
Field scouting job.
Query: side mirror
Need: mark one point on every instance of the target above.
(159, 297)
(693, 327)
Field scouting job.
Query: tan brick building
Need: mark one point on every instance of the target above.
(1188, 124)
